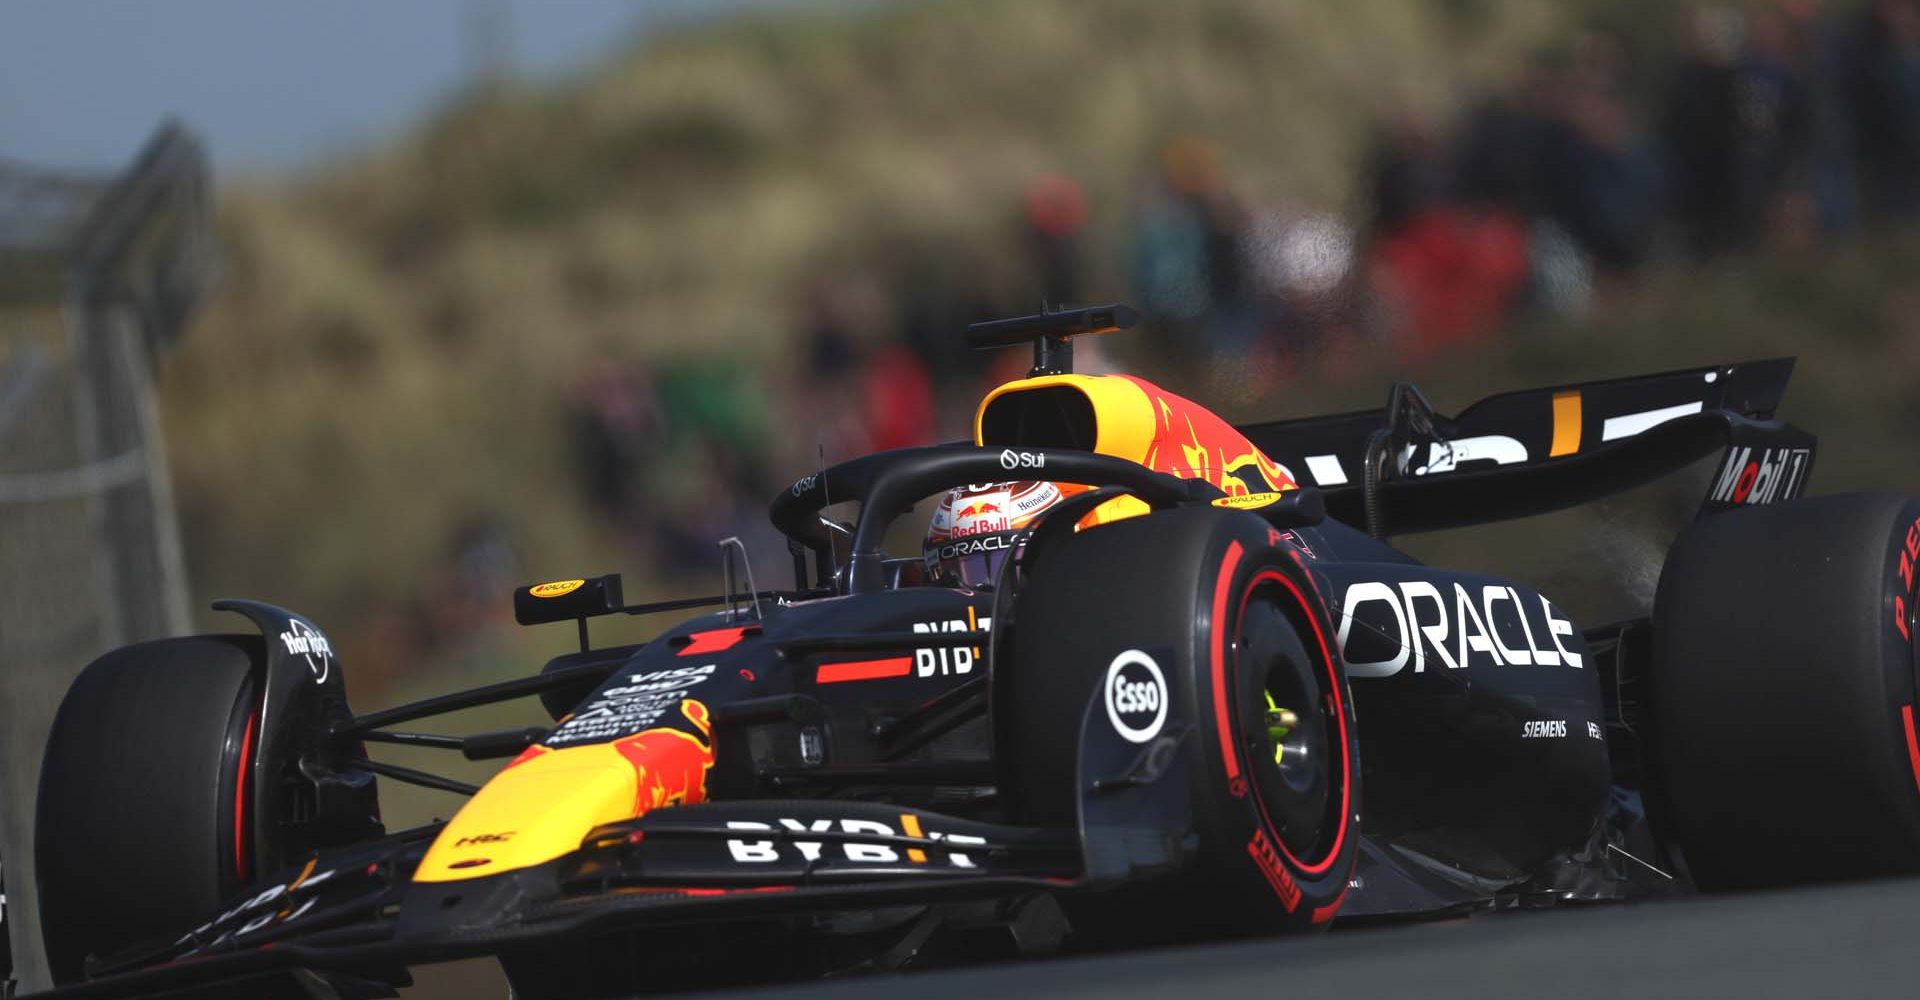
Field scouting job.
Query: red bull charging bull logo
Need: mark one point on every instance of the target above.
(671, 764)
(1189, 441)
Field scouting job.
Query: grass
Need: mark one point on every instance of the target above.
(393, 351)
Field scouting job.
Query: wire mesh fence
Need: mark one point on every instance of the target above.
(97, 277)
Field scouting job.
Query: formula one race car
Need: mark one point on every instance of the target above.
(1199, 694)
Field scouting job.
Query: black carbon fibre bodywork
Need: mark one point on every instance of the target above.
(852, 788)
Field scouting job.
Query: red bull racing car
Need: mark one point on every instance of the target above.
(1155, 676)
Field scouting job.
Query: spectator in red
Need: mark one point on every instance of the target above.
(1446, 271)
(899, 399)
(1449, 275)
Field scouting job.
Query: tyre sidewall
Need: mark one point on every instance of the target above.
(1783, 686)
(136, 826)
(1245, 856)
(1150, 584)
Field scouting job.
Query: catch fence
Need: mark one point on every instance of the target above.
(98, 275)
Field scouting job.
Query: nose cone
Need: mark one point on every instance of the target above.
(536, 810)
(543, 804)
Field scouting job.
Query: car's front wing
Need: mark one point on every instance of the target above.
(356, 918)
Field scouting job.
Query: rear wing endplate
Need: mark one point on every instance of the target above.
(1405, 468)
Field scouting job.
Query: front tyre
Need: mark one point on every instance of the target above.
(144, 824)
(1228, 615)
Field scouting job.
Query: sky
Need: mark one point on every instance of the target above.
(273, 86)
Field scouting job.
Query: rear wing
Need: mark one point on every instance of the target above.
(1405, 468)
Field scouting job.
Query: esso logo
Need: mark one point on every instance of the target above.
(1136, 696)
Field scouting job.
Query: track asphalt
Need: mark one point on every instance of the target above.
(1860, 940)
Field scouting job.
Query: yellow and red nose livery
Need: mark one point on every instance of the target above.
(670, 765)
(1191, 442)
(541, 805)
(1132, 418)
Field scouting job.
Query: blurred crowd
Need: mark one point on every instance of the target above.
(1776, 123)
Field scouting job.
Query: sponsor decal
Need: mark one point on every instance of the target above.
(558, 588)
(1764, 475)
(805, 483)
(1907, 550)
(270, 907)
(1593, 731)
(1248, 501)
(1445, 456)
(303, 640)
(980, 514)
(976, 546)
(791, 848)
(1011, 460)
(946, 661)
(1411, 620)
(1545, 729)
(1265, 858)
(485, 838)
(1039, 496)
(1136, 696)
(637, 703)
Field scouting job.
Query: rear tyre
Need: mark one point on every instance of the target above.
(1783, 691)
(143, 829)
(1232, 620)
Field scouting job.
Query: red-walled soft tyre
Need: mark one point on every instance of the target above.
(1783, 690)
(1229, 615)
(143, 825)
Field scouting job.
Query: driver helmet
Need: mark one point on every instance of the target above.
(975, 528)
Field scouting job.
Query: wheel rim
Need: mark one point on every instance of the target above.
(1292, 756)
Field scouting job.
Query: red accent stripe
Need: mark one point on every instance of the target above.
(864, 670)
(240, 800)
(1339, 712)
(716, 640)
(1325, 913)
(1218, 657)
(1340, 718)
(1913, 745)
(689, 890)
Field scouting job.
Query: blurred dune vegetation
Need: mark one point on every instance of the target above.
(398, 332)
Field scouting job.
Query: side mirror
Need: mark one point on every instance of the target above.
(564, 600)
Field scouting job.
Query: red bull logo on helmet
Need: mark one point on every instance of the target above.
(980, 514)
